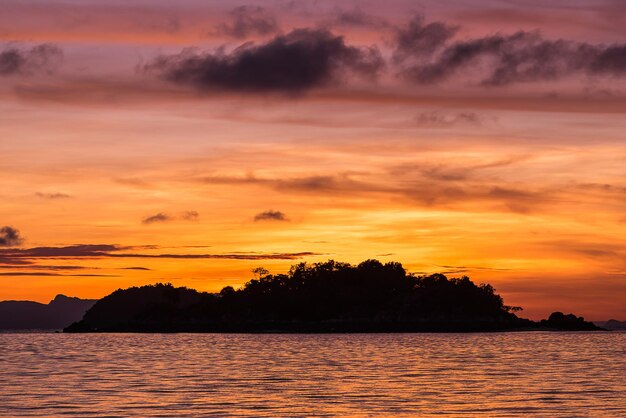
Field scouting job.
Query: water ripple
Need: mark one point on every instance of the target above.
(501, 374)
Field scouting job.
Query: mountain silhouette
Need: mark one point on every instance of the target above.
(612, 324)
(59, 313)
(321, 297)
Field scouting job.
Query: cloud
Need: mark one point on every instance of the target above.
(442, 173)
(40, 58)
(610, 60)
(418, 39)
(230, 256)
(53, 196)
(604, 188)
(442, 120)
(190, 215)
(31, 266)
(453, 172)
(470, 268)
(317, 184)
(10, 237)
(45, 274)
(430, 56)
(249, 20)
(357, 18)
(78, 250)
(427, 186)
(589, 249)
(96, 251)
(158, 218)
(14, 262)
(300, 60)
(270, 215)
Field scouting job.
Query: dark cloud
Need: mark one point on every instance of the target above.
(11, 62)
(429, 56)
(53, 196)
(46, 274)
(41, 58)
(231, 256)
(14, 261)
(611, 60)
(31, 266)
(292, 63)
(249, 20)
(95, 251)
(270, 215)
(190, 215)
(10, 237)
(159, 217)
(79, 250)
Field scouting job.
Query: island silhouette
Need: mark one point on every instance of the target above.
(322, 297)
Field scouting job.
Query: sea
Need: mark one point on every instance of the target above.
(551, 374)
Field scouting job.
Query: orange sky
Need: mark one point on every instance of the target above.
(519, 184)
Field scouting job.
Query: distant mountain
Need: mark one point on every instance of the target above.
(612, 324)
(59, 313)
(323, 297)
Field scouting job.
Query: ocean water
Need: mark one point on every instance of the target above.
(498, 374)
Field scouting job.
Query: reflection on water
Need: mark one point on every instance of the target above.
(551, 374)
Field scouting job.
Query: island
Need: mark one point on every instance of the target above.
(321, 297)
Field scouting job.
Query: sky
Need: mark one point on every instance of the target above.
(192, 141)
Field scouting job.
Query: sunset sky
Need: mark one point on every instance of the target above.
(191, 141)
